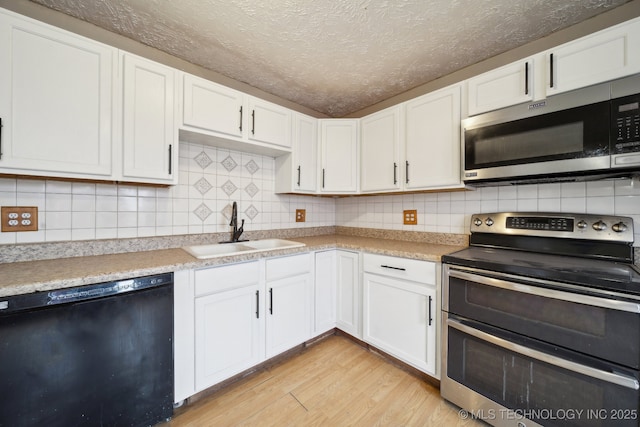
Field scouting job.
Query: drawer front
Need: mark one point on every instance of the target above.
(218, 279)
(401, 268)
(288, 266)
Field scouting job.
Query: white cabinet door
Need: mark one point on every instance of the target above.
(56, 101)
(150, 139)
(432, 143)
(325, 292)
(289, 313)
(214, 108)
(380, 151)
(400, 318)
(305, 153)
(297, 172)
(269, 123)
(504, 86)
(606, 55)
(228, 334)
(184, 335)
(339, 152)
(349, 294)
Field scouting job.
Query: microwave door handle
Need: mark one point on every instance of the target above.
(526, 78)
(619, 379)
(551, 70)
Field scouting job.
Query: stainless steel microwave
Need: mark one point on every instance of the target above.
(589, 132)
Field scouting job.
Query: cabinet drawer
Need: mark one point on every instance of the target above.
(402, 268)
(288, 266)
(217, 279)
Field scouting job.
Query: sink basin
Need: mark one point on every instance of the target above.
(268, 244)
(229, 249)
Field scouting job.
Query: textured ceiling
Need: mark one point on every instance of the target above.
(333, 56)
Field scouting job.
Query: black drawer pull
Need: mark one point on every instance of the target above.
(257, 304)
(430, 318)
(393, 268)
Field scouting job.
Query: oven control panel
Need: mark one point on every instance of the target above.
(575, 226)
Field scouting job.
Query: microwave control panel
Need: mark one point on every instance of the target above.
(626, 123)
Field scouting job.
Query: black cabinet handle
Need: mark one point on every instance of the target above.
(241, 118)
(257, 304)
(170, 158)
(393, 268)
(430, 318)
(551, 70)
(406, 171)
(253, 122)
(270, 300)
(526, 78)
(322, 177)
(395, 173)
(0, 137)
(299, 176)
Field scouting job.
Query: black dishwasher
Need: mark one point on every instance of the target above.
(96, 355)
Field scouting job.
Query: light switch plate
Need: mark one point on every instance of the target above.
(19, 218)
(410, 217)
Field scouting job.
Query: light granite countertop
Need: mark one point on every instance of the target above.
(49, 274)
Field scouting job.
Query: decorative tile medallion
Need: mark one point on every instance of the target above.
(227, 211)
(252, 167)
(202, 211)
(251, 189)
(251, 212)
(203, 160)
(229, 164)
(203, 186)
(229, 188)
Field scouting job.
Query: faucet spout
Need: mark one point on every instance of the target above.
(237, 232)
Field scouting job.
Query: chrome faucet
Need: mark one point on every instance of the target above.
(237, 232)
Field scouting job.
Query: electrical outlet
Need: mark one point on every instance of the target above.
(301, 215)
(410, 217)
(19, 218)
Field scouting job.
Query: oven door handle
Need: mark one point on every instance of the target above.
(619, 379)
(548, 293)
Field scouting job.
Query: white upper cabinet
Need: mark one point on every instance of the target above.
(502, 87)
(339, 155)
(380, 150)
(606, 55)
(213, 108)
(56, 101)
(217, 115)
(149, 131)
(432, 140)
(269, 123)
(298, 172)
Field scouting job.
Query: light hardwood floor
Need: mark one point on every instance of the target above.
(334, 382)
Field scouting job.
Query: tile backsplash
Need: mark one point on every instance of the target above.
(212, 178)
(451, 212)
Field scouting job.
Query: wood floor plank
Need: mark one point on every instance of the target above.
(334, 382)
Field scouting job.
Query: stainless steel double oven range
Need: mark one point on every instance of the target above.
(541, 321)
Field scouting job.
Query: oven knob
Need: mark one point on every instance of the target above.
(477, 222)
(619, 227)
(488, 221)
(599, 226)
(582, 224)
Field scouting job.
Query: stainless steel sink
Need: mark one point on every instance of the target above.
(228, 249)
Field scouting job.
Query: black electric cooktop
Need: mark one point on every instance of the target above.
(588, 273)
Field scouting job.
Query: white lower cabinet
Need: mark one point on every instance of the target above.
(228, 322)
(349, 293)
(239, 315)
(289, 309)
(400, 309)
(325, 292)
